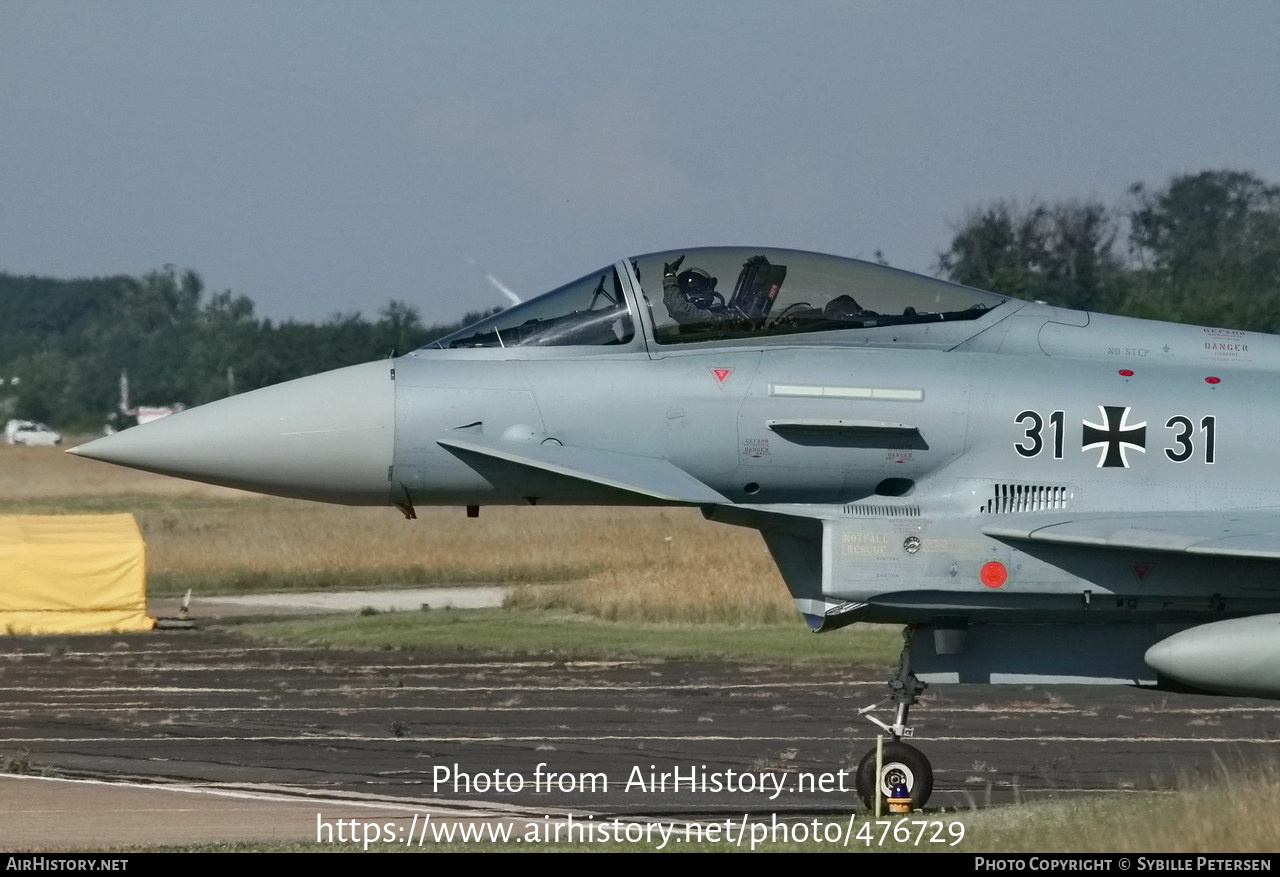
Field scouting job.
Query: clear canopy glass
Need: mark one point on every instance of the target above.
(750, 292)
(589, 311)
(720, 293)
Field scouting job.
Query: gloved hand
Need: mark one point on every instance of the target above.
(672, 267)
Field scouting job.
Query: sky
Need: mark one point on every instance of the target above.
(326, 157)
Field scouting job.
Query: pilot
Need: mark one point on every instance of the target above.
(846, 307)
(690, 295)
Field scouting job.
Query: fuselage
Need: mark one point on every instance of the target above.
(875, 426)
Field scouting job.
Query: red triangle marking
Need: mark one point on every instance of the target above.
(1141, 571)
(722, 374)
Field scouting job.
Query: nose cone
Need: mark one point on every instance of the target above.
(328, 437)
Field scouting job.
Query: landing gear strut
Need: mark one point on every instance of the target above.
(902, 764)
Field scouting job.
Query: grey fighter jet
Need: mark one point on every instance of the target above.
(1036, 494)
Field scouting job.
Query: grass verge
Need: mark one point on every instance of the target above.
(503, 632)
(224, 582)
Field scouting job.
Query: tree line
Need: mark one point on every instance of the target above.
(65, 343)
(1203, 249)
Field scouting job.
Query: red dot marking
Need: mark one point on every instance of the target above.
(993, 574)
(1126, 372)
(1212, 380)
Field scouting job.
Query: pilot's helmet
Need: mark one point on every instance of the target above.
(697, 286)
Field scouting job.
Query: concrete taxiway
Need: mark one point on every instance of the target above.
(314, 602)
(255, 741)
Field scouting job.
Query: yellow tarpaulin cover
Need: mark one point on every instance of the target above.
(72, 574)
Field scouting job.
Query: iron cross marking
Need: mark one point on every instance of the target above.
(1115, 437)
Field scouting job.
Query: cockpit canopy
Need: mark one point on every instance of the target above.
(589, 311)
(774, 292)
(752, 293)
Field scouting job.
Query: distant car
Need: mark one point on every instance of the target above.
(31, 434)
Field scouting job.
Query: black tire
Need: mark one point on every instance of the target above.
(902, 763)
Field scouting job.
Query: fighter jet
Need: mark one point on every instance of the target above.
(1035, 494)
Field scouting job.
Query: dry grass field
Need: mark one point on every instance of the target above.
(639, 564)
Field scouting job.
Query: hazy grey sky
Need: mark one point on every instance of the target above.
(326, 156)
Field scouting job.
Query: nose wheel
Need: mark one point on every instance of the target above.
(902, 765)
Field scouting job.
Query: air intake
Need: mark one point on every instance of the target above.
(882, 511)
(1015, 498)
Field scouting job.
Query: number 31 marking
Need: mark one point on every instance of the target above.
(1184, 431)
(1036, 443)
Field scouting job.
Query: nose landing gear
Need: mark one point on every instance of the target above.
(901, 763)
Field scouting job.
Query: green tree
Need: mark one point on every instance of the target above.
(1062, 253)
(228, 351)
(1207, 247)
(146, 335)
(399, 327)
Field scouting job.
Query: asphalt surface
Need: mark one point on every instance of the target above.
(203, 736)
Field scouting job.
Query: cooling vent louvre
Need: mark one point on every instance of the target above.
(882, 511)
(1012, 498)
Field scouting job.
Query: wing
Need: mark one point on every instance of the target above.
(646, 476)
(1254, 533)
